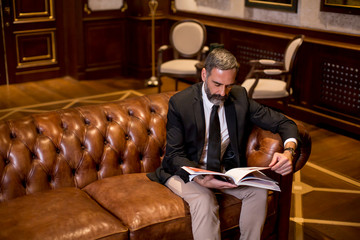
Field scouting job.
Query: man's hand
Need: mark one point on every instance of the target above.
(210, 182)
(281, 163)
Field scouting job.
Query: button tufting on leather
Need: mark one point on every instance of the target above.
(23, 182)
(63, 125)
(109, 118)
(12, 135)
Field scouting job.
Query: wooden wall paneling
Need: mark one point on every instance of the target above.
(140, 8)
(302, 80)
(139, 45)
(139, 48)
(102, 42)
(216, 35)
(72, 46)
(31, 39)
(338, 85)
(329, 89)
(248, 46)
(322, 52)
(3, 74)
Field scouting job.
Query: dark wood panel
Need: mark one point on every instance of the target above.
(35, 10)
(277, 30)
(33, 31)
(338, 84)
(2, 61)
(139, 44)
(247, 46)
(105, 43)
(101, 42)
(35, 48)
(105, 48)
(140, 8)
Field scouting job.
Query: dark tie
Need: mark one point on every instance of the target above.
(214, 142)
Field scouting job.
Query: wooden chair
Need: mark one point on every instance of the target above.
(187, 40)
(269, 79)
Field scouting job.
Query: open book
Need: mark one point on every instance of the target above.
(245, 176)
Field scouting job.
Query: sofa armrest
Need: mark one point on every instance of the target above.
(304, 150)
(263, 144)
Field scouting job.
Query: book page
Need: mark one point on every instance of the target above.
(239, 173)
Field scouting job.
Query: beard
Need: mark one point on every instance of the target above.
(215, 99)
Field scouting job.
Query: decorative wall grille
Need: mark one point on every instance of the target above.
(340, 88)
(245, 53)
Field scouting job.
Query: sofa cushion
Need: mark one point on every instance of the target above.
(66, 213)
(149, 209)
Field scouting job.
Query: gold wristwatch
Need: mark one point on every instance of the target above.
(292, 150)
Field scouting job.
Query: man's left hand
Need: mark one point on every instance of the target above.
(281, 163)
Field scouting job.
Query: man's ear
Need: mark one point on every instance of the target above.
(203, 74)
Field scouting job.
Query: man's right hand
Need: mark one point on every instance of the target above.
(209, 181)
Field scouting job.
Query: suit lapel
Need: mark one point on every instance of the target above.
(231, 121)
(198, 110)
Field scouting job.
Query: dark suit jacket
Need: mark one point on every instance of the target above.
(186, 130)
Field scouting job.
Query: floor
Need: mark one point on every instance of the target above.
(326, 192)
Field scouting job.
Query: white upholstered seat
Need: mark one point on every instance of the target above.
(269, 79)
(187, 42)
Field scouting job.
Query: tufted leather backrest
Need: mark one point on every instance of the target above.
(74, 147)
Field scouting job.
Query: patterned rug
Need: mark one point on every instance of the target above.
(17, 112)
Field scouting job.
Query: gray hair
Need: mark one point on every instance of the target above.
(221, 59)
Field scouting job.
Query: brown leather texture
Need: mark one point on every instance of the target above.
(75, 147)
(66, 213)
(263, 144)
(151, 204)
(94, 159)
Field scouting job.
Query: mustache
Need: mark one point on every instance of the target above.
(218, 97)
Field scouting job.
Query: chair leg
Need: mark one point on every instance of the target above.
(176, 84)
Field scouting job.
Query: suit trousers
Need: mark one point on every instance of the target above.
(204, 209)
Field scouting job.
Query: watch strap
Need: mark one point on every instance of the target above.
(292, 150)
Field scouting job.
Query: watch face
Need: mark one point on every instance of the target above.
(290, 150)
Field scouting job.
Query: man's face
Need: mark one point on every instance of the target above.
(218, 84)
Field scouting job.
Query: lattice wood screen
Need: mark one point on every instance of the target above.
(340, 88)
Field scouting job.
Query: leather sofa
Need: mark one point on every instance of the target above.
(80, 173)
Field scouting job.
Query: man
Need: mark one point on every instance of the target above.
(188, 138)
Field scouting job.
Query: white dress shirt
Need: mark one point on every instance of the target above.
(223, 129)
